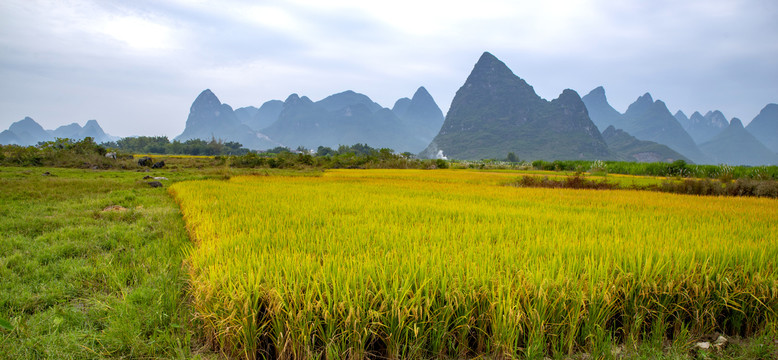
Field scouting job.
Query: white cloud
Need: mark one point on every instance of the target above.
(137, 33)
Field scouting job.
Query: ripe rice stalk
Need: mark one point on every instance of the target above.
(450, 263)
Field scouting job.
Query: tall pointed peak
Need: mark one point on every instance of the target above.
(681, 114)
(492, 75)
(488, 65)
(295, 99)
(570, 100)
(421, 91)
(26, 122)
(569, 95)
(642, 104)
(206, 101)
(646, 98)
(486, 58)
(661, 104)
(599, 91)
(597, 94)
(717, 119)
(697, 114)
(421, 94)
(207, 96)
(736, 123)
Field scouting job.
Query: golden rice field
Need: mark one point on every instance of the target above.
(451, 263)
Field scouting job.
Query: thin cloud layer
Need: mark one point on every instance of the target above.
(137, 66)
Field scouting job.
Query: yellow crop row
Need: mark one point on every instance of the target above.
(425, 264)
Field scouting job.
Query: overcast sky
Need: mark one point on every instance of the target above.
(136, 66)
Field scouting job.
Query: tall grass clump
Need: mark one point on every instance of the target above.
(450, 264)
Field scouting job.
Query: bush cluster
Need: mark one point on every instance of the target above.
(739, 187)
(571, 182)
(60, 152)
(357, 156)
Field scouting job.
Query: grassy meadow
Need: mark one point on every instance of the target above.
(451, 264)
(82, 279)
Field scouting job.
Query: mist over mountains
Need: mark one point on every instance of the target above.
(27, 132)
(494, 113)
(704, 139)
(345, 118)
(209, 119)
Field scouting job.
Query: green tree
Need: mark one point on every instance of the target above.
(512, 157)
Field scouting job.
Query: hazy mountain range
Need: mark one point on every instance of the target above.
(28, 132)
(704, 139)
(494, 113)
(345, 118)
(210, 119)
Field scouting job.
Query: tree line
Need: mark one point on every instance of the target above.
(163, 146)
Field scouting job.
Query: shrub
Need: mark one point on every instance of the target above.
(598, 167)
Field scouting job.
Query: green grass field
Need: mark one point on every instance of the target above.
(81, 282)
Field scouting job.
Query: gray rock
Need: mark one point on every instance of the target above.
(154, 184)
(145, 161)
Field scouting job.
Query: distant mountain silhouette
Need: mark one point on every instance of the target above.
(76, 132)
(631, 149)
(266, 115)
(736, 146)
(7, 137)
(421, 115)
(210, 119)
(246, 114)
(348, 98)
(682, 118)
(341, 119)
(401, 106)
(496, 112)
(600, 111)
(647, 119)
(765, 127)
(28, 132)
(703, 128)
